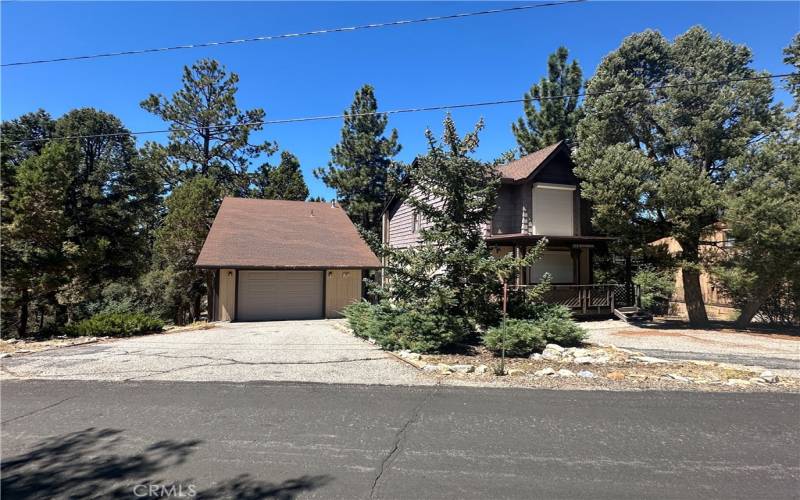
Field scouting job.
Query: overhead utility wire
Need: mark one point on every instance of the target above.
(296, 35)
(413, 110)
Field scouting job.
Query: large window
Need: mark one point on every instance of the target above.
(553, 207)
(558, 264)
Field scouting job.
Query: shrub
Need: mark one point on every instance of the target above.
(521, 307)
(115, 325)
(521, 338)
(417, 331)
(359, 315)
(656, 288)
(561, 331)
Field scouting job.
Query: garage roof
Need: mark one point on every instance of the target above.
(277, 234)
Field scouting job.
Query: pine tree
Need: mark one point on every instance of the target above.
(190, 212)
(361, 169)
(452, 272)
(548, 120)
(282, 182)
(209, 134)
(656, 162)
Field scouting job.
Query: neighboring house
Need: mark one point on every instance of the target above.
(718, 305)
(539, 197)
(275, 260)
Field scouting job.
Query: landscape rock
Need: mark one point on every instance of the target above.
(551, 355)
(554, 347)
(430, 368)
(578, 352)
(544, 372)
(406, 354)
(649, 359)
(586, 374)
(481, 369)
(769, 377)
(12, 341)
(679, 378)
(5, 355)
(516, 371)
(738, 381)
(536, 356)
(444, 368)
(565, 373)
(462, 368)
(757, 380)
(584, 360)
(616, 376)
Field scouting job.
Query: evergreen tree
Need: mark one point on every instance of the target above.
(452, 272)
(190, 212)
(282, 182)
(361, 169)
(549, 120)
(78, 215)
(761, 212)
(210, 135)
(655, 162)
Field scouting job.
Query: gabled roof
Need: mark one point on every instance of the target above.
(519, 170)
(277, 234)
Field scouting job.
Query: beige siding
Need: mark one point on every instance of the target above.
(227, 294)
(553, 210)
(342, 287)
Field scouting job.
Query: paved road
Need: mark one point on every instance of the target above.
(264, 440)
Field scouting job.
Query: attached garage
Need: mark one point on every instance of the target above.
(283, 260)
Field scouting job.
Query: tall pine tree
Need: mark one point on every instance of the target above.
(209, 134)
(282, 182)
(549, 120)
(361, 169)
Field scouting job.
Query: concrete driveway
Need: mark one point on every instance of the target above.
(299, 351)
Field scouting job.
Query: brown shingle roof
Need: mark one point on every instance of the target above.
(278, 234)
(521, 169)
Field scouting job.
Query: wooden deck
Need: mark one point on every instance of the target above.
(587, 300)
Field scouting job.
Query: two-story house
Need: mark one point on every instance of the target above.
(539, 198)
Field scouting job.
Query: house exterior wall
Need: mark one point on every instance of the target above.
(718, 306)
(398, 224)
(342, 287)
(226, 306)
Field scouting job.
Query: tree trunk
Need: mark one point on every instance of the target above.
(693, 296)
(196, 307)
(24, 301)
(752, 306)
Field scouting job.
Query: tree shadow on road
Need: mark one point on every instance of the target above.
(83, 465)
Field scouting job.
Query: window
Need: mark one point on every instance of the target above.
(552, 209)
(728, 241)
(416, 222)
(558, 264)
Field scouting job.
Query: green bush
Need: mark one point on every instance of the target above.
(394, 329)
(522, 337)
(360, 316)
(520, 307)
(561, 331)
(115, 325)
(656, 288)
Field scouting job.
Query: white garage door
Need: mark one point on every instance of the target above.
(273, 295)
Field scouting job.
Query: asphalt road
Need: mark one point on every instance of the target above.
(276, 440)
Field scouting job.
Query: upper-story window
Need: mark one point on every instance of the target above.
(416, 222)
(553, 209)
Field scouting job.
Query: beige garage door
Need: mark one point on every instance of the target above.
(273, 295)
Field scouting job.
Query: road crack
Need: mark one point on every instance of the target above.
(398, 441)
(39, 410)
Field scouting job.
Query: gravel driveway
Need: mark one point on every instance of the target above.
(774, 351)
(299, 351)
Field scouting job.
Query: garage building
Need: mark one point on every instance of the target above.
(280, 260)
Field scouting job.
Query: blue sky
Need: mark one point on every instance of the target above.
(475, 59)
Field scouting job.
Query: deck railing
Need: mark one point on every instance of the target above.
(589, 299)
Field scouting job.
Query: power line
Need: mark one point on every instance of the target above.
(281, 121)
(296, 35)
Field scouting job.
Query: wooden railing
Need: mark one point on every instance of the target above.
(588, 299)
